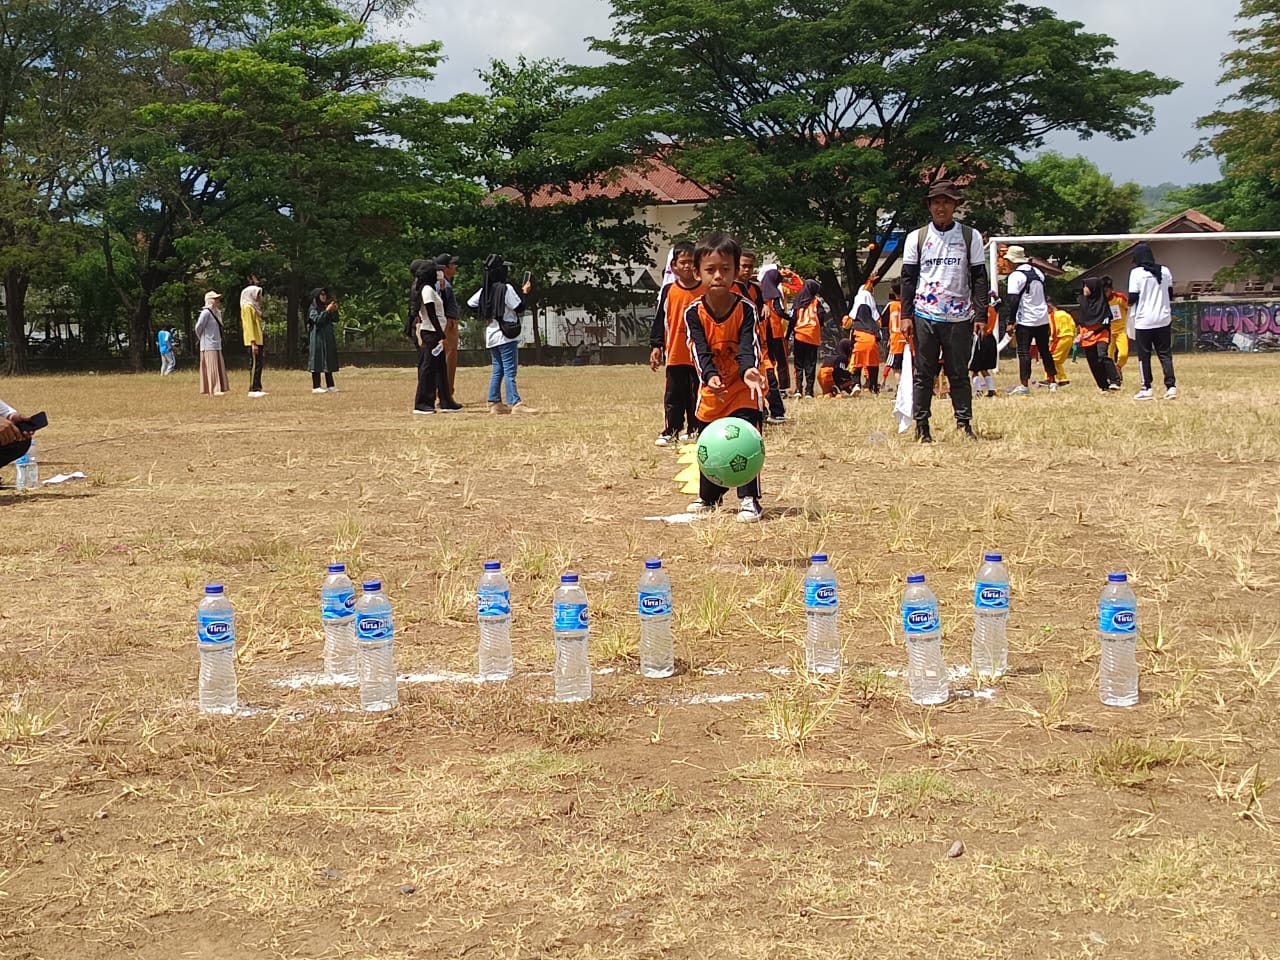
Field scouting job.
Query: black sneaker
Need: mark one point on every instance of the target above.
(922, 432)
(966, 430)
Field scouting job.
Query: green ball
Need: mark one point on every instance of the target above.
(730, 452)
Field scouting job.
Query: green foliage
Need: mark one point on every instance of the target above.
(812, 125)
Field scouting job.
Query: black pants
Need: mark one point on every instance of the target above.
(710, 492)
(806, 357)
(873, 378)
(12, 451)
(315, 379)
(1102, 366)
(433, 379)
(681, 399)
(255, 368)
(1040, 336)
(778, 354)
(1161, 341)
(954, 341)
(774, 396)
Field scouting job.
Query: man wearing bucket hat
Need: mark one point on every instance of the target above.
(1027, 314)
(945, 293)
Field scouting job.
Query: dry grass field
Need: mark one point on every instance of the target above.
(740, 809)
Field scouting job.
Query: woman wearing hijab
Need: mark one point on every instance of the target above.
(776, 319)
(1095, 333)
(499, 306)
(865, 334)
(834, 377)
(322, 357)
(806, 324)
(1150, 290)
(429, 336)
(213, 369)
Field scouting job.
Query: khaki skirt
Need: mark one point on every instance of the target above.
(213, 372)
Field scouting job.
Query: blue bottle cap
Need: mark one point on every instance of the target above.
(993, 558)
(568, 578)
(337, 568)
(915, 578)
(213, 589)
(653, 564)
(372, 586)
(1117, 577)
(492, 565)
(818, 558)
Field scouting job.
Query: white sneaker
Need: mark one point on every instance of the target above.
(1053, 387)
(857, 388)
(313, 390)
(699, 508)
(332, 390)
(1113, 386)
(257, 393)
(424, 412)
(662, 441)
(773, 419)
(1171, 393)
(687, 437)
(1144, 394)
(750, 511)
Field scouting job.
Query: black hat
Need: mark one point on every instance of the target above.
(446, 260)
(943, 188)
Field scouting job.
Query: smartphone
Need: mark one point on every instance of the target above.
(528, 276)
(33, 423)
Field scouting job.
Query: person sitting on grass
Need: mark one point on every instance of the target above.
(14, 441)
(834, 378)
(722, 331)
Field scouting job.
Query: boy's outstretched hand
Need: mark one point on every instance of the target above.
(655, 358)
(756, 382)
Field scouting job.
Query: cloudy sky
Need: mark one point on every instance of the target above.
(1183, 39)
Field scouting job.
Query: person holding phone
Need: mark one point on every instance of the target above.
(14, 439)
(499, 306)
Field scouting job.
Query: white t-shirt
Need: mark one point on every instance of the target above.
(493, 335)
(864, 297)
(5, 409)
(430, 295)
(944, 292)
(251, 296)
(1033, 310)
(1153, 310)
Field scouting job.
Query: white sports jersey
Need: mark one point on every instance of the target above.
(944, 292)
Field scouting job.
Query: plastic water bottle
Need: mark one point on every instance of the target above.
(1118, 631)
(926, 670)
(338, 611)
(216, 641)
(573, 668)
(26, 470)
(493, 609)
(821, 614)
(991, 617)
(375, 642)
(653, 600)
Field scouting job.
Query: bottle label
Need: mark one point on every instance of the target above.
(991, 596)
(570, 616)
(919, 618)
(1117, 618)
(654, 603)
(338, 606)
(494, 603)
(821, 594)
(215, 630)
(371, 627)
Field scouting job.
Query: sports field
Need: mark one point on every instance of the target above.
(740, 809)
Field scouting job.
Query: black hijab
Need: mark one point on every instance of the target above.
(808, 293)
(1095, 308)
(424, 275)
(493, 295)
(1143, 257)
(315, 297)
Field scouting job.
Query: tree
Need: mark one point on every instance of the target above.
(818, 130)
(579, 243)
(1246, 145)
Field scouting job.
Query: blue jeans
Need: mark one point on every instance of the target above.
(505, 360)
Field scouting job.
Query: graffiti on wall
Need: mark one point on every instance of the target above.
(1239, 326)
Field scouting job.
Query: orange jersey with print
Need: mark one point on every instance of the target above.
(809, 325)
(750, 291)
(866, 350)
(897, 328)
(993, 317)
(672, 304)
(723, 346)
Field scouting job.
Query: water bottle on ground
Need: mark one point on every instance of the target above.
(1118, 631)
(493, 609)
(991, 618)
(216, 642)
(657, 650)
(926, 670)
(821, 616)
(338, 611)
(375, 642)
(26, 470)
(573, 668)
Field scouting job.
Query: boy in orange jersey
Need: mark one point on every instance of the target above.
(670, 334)
(771, 360)
(722, 334)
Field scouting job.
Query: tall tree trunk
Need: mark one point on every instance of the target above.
(188, 329)
(16, 281)
(832, 292)
(293, 314)
(140, 331)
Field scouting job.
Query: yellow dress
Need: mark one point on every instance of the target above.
(1064, 334)
(1119, 349)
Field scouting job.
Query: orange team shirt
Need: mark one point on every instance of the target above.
(674, 300)
(897, 329)
(809, 325)
(751, 292)
(993, 316)
(725, 346)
